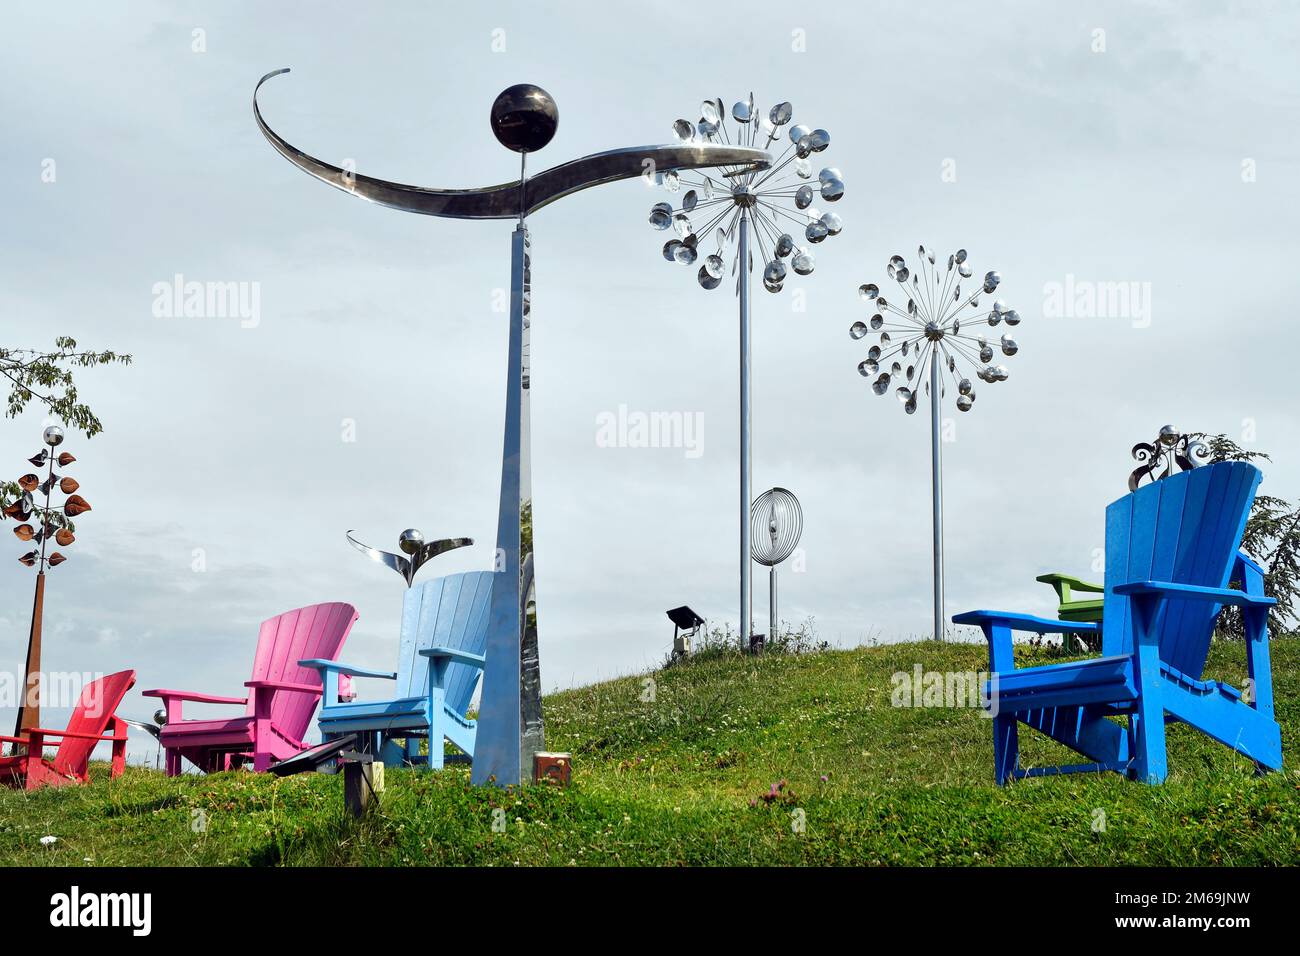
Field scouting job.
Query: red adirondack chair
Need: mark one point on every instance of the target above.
(283, 698)
(96, 710)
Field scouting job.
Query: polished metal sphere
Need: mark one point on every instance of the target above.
(524, 118)
(53, 436)
(410, 540)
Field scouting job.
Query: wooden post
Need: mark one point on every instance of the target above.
(361, 782)
(30, 716)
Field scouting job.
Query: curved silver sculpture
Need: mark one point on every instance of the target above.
(523, 119)
(504, 201)
(776, 525)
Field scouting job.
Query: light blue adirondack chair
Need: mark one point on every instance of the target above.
(1171, 550)
(440, 657)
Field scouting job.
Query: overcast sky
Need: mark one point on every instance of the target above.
(1144, 143)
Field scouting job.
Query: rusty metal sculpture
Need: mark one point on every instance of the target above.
(40, 524)
(1158, 458)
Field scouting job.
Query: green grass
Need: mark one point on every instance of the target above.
(681, 779)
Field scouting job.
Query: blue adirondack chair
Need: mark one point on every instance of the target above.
(1171, 551)
(440, 657)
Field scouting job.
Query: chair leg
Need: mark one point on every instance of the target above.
(173, 762)
(119, 748)
(436, 746)
(1006, 747)
(1148, 723)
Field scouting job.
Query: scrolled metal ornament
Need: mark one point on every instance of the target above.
(1157, 459)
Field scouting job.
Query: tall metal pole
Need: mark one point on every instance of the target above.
(746, 609)
(936, 472)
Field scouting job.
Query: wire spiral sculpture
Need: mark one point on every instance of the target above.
(778, 199)
(929, 328)
(776, 524)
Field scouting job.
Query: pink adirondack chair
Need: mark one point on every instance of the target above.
(280, 707)
(96, 710)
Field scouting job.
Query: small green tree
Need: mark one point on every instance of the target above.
(46, 379)
(1272, 538)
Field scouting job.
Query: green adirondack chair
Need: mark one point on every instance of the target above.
(1073, 608)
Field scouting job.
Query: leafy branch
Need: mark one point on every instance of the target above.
(46, 378)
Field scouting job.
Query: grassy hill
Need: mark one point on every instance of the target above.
(718, 768)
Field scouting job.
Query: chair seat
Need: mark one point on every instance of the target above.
(1093, 681)
(192, 733)
(1097, 680)
(361, 709)
(1081, 610)
(402, 714)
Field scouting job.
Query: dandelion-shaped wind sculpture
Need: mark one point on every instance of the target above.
(939, 332)
(723, 209)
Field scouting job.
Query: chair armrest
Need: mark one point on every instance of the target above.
(1026, 622)
(1193, 592)
(194, 696)
(14, 740)
(1065, 583)
(453, 654)
(69, 733)
(283, 685)
(351, 670)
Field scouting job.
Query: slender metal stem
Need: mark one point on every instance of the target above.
(936, 469)
(746, 611)
(523, 188)
(771, 601)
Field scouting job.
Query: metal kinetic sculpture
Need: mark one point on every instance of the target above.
(921, 340)
(411, 543)
(50, 525)
(776, 524)
(524, 118)
(769, 203)
(1169, 449)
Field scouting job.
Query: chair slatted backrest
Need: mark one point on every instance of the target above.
(315, 631)
(95, 708)
(451, 611)
(1183, 529)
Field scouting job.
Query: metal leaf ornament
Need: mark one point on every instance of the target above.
(412, 543)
